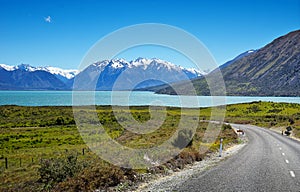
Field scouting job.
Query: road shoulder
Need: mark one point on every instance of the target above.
(167, 183)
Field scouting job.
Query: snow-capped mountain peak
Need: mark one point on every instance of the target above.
(100, 63)
(53, 70)
(143, 63)
(7, 67)
(148, 72)
(67, 73)
(103, 74)
(118, 63)
(26, 67)
(159, 63)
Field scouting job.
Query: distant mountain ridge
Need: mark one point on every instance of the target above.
(29, 80)
(98, 76)
(273, 70)
(61, 74)
(119, 74)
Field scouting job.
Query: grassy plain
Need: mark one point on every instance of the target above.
(31, 135)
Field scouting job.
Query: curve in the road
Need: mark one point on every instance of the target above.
(269, 162)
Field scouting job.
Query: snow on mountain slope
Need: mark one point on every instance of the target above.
(69, 74)
(151, 72)
(102, 74)
(24, 67)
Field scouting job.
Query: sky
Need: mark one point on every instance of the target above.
(59, 33)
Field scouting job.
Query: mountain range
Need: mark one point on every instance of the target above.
(122, 75)
(273, 70)
(26, 77)
(136, 74)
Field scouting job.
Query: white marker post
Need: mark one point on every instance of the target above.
(221, 143)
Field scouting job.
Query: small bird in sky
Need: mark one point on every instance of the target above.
(48, 19)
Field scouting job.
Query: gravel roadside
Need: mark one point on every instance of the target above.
(169, 182)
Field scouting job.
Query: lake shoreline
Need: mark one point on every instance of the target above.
(125, 98)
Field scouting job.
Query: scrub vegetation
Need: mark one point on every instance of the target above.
(266, 114)
(42, 149)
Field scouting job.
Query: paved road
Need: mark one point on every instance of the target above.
(269, 162)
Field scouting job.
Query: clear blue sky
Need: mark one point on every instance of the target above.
(227, 27)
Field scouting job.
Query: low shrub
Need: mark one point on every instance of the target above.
(184, 139)
(99, 176)
(226, 126)
(56, 170)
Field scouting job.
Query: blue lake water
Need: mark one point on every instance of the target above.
(124, 98)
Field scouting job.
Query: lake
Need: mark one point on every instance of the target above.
(123, 98)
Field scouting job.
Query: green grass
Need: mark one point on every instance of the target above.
(266, 114)
(17, 116)
(30, 134)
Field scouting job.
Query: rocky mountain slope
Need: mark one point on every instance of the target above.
(272, 70)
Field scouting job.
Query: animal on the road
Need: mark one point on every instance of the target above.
(287, 132)
(240, 131)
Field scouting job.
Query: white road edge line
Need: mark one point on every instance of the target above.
(283, 154)
(292, 174)
(287, 161)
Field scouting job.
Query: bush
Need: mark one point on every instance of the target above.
(184, 139)
(59, 121)
(56, 170)
(226, 126)
(254, 109)
(98, 176)
(291, 121)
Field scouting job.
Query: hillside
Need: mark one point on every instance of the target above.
(270, 71)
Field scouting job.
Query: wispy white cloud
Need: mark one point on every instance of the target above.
(47, 19)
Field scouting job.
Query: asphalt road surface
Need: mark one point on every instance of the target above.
(269, 162)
